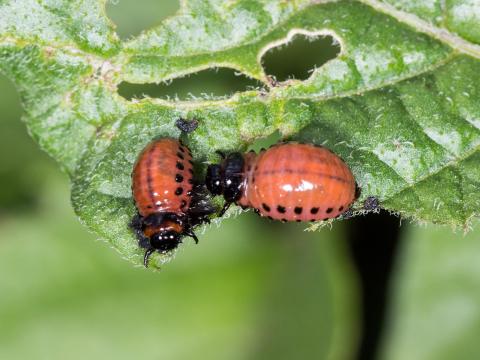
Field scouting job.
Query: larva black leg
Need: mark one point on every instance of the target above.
(224, 209)
(358, 191)
(147, 255)
(137, 226)
(347, 214)
(371, 203)
(190, 233)
(221, 153)
(136, 223)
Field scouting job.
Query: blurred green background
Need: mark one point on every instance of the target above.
(251, 289)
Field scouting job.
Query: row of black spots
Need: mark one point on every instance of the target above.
(180, 166)
(298, 210)
(182, 148)
(179, 190)
(265, 207)
(179, 178)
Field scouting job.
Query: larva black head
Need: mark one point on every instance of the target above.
(227, 178)
(213, 179)
(165, 241)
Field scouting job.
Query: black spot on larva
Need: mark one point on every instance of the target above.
(179, 191)
(180, 166)
(298, 210)
(180, 155)
(312, 220)
(298, 220)
(181, 149)
(266, 207)
(314, 210)
(149, 207)
(190, 170)
(281, 209)
(253, 179)
(329, 210)
(269, 218)
(189, 193)
(249, 168)
(256, 211)
(340, 208)
(191, 162)
(178, 178)
(284, 220)
(183, 204)
(190, 181)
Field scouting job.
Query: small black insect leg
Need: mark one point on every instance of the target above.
(137, 226)
(190, 233)
(147, 255)
(347, 214)
(358, 191)
(224, 209)
(221, 153)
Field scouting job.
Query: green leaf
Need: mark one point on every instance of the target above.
(215, 299)
(400, 103)
(435, 312)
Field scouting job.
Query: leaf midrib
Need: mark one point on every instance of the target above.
(444, 36)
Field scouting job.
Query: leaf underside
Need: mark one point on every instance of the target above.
(400, 103)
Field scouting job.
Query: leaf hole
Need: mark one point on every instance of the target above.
(299, 55)
(211, 83)
(133, 17)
